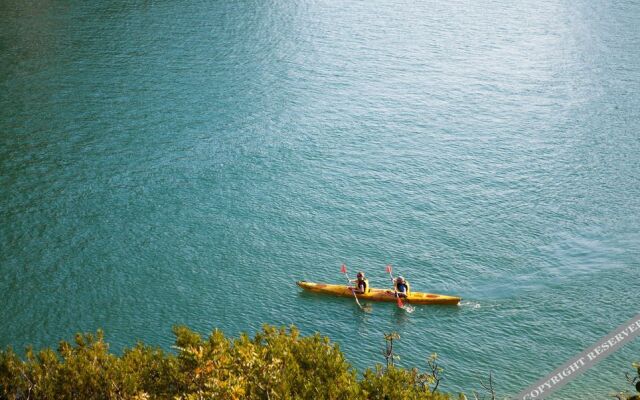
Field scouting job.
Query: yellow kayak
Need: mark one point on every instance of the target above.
(379, 294)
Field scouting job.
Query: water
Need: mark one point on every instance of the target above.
(166, 163)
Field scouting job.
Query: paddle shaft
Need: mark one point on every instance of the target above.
(344, 271)
(394, 288)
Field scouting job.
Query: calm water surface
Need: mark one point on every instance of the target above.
(186, 162)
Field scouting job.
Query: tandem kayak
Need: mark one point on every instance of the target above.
(379, 294)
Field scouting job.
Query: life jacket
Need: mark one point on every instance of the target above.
(398, 286)
(364, 282)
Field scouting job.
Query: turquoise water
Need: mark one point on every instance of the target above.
(166, 163)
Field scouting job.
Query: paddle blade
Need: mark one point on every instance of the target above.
(343, 269)
(400, 305)
(389, 268)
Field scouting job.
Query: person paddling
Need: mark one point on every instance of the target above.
(361, 284)
(401, 286)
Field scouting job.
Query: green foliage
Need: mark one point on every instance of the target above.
(398, 384)
(277, 363)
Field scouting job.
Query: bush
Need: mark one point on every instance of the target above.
(397, 383)
(275, 364)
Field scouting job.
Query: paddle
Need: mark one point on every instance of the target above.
(343, 269)
(399, 300)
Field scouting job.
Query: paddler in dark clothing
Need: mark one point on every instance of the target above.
(401, 286)
(361, 284)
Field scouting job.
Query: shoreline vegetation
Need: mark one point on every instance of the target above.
(277, 363)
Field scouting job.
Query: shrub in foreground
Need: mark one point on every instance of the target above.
(275, 364)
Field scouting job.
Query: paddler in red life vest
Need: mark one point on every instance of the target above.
(362, 284)
(401, 286)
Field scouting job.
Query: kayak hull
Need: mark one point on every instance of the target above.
(379, 294)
